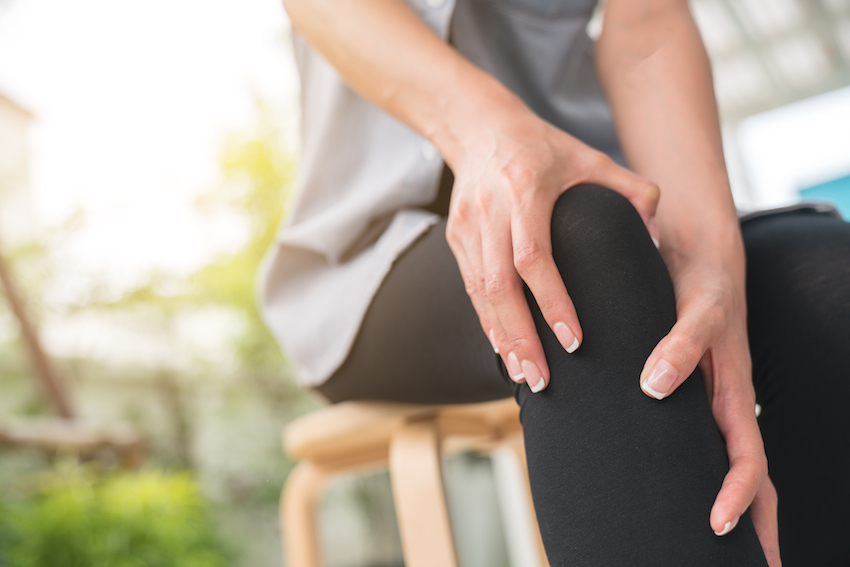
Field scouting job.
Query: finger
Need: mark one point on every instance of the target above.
(677, 355)
(532, 253)
(504, 291)
(641, 193)
(763, 512)
(489, 319)
(470, 272)
(503, 345)
(733, 402)
(747, 471)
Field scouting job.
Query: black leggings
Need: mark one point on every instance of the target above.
(617, 477)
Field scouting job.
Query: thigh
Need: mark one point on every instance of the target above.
(798, 294)
(420, 341)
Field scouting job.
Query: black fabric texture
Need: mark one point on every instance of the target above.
(619, 478)
(798, 296)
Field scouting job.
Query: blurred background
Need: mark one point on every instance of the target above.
(147, 150)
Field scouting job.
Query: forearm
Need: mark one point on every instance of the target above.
(657, 78)
(389, 56)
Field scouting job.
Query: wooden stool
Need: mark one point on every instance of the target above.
(357, 436)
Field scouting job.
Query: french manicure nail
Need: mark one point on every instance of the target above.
(515, 369)
(653, 232)
(533, 376)
(729, 526)
(660, 380)
(493, 342)
(566, 337)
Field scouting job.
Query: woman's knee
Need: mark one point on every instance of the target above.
(597, 220)
(611, 268)
(798, 269)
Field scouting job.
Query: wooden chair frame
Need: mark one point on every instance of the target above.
(410, 440)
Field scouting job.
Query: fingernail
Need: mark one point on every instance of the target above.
(660, 380)
(533, 376)
(653, 231)
(729, 526)
(493, 342)
(566, 337)
(515, 369)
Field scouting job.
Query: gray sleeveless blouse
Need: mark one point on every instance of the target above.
(364, 176)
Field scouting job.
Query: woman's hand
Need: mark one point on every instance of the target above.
(508, 176)
(510, 166)
(711, 331)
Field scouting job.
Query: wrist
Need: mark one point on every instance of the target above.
(472, 114)
(717, 246)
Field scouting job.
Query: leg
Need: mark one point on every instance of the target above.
(298, 505)
(617, 478)
(798, 292)
(420, 341)
(420, 499)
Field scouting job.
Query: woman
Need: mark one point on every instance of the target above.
(393, 270)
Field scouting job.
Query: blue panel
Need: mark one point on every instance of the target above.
(836, 191)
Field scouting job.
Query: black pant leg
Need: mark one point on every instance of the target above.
(798, 293)
(619, 478)
(420, 341)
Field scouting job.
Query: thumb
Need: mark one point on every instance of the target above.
(675, 357)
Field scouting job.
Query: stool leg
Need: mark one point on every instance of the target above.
(518, 448)
(298, 515)
(420, 500)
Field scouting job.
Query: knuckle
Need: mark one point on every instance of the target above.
(687, 347)
(520, 342)
(453, 240)
(520, 179)
(460, 213)
(549, 304)
(485, 202)
(495, 285)
(715, 312)
(501, 336)
(592, 162)
(469, 285)
(652, 192)
(527, 255)
(453, 232)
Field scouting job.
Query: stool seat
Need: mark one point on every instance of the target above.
(348, 428)
(409, 439)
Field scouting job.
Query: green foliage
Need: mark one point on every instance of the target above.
(149, 519)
